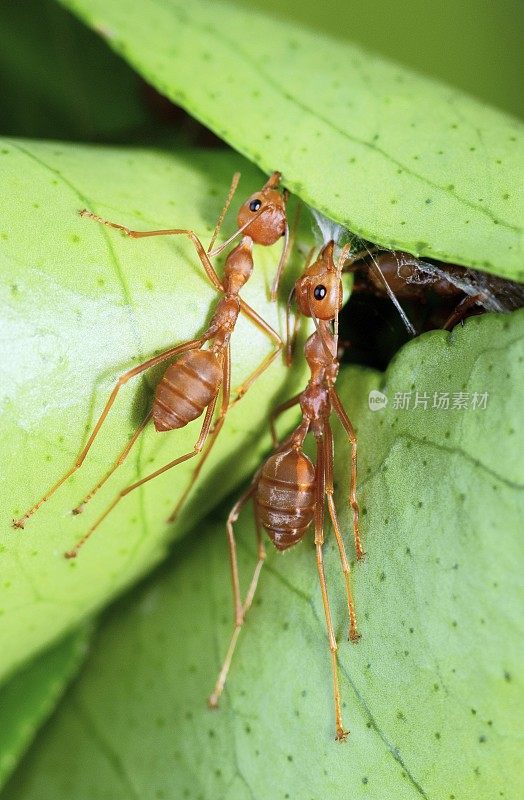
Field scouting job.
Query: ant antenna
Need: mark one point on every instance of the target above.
(283, 258)
(290, 337)
(318, 329)
(391, 294)
(289, 239)
(221, 247)
(339, 266)
(220, 220)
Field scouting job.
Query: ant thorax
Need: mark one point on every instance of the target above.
(314, 402)
(239, 266)
(320, 350)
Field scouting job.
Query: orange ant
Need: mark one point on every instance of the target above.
(289, 491)
(193, 382)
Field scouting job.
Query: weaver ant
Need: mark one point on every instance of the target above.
(193, 382)
(289, 491)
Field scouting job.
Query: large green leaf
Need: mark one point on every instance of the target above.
(30, 696)
(432, 691)
(398, 158)
(418, 34)
(79, 305)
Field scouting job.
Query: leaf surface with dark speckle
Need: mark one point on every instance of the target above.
(396, 157)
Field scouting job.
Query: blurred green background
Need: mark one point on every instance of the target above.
(58, 80)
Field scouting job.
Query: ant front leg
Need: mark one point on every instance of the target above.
(202, 254)
(199, 247)
(151, 362)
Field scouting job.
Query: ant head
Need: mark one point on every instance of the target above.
(267, 208)
(319, 290)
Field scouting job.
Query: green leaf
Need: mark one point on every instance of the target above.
(80, 304)
(431, 693)
(28, 698)
(398, 158)
(419, 36)
(55, 86)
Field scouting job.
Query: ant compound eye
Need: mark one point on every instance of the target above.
(319, 292)
(255, 205)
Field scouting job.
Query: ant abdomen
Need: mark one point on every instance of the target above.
(285, 497)
(188, 386)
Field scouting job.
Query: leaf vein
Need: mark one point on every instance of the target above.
(247, 58)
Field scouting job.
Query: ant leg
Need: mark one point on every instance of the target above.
(123, 379)
(220, 220)
(460, 310)
(354, 635)
(261, 557)
(249, 381)
(233, 516)
(197, 448)
(341, 733)
(271, 334)
(240, 611)
(120, 460)
(289, 241)
(348, 427)
(293, 401)
(215, 430)
(199, 247)
(257, 320)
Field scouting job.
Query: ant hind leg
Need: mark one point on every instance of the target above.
(240, 609)
(197, 448)
(123, 379)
